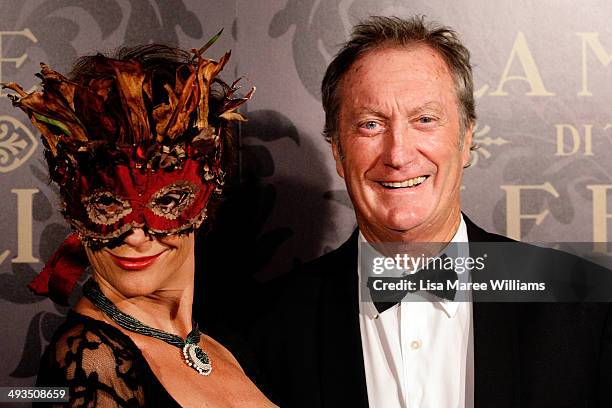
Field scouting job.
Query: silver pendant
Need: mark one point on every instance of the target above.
(197, 359)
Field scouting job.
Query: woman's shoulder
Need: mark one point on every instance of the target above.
(78, 323)
(95, 360)
(91, 339)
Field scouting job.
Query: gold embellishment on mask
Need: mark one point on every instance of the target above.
(105, 208)
(170, 201)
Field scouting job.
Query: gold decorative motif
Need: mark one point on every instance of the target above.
(170, 201)
(17, 143)
(480, 140)
(106, 207)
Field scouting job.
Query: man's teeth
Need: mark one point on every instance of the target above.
(406, 183)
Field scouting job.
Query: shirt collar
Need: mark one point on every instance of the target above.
(449, 307)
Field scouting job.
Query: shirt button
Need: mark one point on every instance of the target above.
(415, 344)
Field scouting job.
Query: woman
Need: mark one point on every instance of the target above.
(138, 145)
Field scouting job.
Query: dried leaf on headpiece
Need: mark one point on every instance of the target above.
(207, 70)
(227, 111)
(206, 46)
(162, 113)
(129, 80)
(182, 110)
(51, 111)
(55, 106)
(233, 116)
(94, 109)
(59, 83)
(123, 104)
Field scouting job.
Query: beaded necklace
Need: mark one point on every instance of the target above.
(193, 355)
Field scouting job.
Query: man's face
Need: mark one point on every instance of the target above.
(400, 137)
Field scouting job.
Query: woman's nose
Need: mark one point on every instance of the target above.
(137, 237)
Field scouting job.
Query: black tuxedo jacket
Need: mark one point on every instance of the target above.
(525, 354)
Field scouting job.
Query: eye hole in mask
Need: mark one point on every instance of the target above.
(105, 208)
(170, 201)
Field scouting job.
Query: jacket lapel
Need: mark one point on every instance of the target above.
(343, 383)
(496, 354)
(342, 374)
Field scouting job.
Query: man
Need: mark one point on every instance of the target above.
(399, 107)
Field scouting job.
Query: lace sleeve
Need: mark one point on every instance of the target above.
(100, 368)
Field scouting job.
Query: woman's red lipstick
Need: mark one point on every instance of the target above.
(134, 264)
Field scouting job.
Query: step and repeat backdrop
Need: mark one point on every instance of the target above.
(543, 172)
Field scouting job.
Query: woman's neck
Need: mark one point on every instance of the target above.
(168, 308)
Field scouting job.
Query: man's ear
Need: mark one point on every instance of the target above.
(337, 150)
(466, 151)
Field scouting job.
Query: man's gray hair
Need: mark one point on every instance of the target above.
(379, 32)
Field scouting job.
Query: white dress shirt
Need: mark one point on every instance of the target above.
(418, 354)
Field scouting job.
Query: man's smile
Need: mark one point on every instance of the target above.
(411, 182)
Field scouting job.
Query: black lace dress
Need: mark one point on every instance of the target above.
(101, 366)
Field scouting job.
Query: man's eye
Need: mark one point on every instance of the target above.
(426, 119)
(371, 125)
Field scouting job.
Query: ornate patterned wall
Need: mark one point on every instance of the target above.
(543, 89)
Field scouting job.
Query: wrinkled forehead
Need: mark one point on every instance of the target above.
(395, 65)
(400, 69)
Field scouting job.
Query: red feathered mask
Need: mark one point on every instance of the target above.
(130, 148)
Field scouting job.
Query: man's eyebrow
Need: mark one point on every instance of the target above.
(367, 110)
(428, 106)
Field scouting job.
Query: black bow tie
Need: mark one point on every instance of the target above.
(432, 278)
